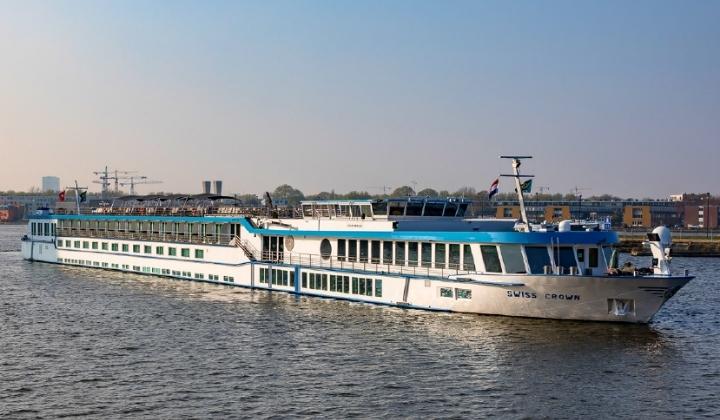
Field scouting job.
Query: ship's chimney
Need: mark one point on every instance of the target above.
(218, 187)
(206, 187)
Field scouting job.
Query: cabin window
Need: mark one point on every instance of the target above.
(333, 284)
(341, 249)
(325, 249)
(159, 250)
(136, 248)
(387, 252)
(125, 248)
(366, 211)
(468, 260)
(414, 208)
(434, 209)
(185, 252)
(538, 258)
(172, 251)
(462, 208)
(513, 258)
(396, 208)
(446, 292)
(199, 253)
(378, 288)
(412, 254)
(380, 208)
(148, 249)
(450, 210)
(426, 254)
(104, 246)
(454, 259)
(94, 245)
(439, 255)
(363, 251)
(346, 284)
(463, 294)
(564, 258)
(352, 250)
(491, 259)
(375, 252)
(400, 253)
(113, 247)
(593, 257)
(580, 255)
(304, 280)
(355, 286)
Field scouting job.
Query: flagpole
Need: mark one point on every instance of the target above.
(77, 197)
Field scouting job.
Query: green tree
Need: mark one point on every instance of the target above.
(427, 192)
(403, 191)
(286, 192)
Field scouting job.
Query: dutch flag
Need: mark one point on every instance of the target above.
(493, 188)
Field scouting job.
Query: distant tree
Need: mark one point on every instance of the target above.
(427, 192)
(403, 191)
(286, 192)
(249, 200)
(321, 196)
(357, 195)
(465, 192)
(443, 193)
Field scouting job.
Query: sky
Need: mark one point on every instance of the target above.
(612, 97)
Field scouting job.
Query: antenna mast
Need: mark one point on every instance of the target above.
(516, 162)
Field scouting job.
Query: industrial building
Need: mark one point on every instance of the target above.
(50, 183)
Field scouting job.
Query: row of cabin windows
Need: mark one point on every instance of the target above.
(42, 229)
(147, 270)
(157, 228)
(538, 257)
(449, 292)
(342, 284)
(277, 277)
(136, 249)
(413, 254)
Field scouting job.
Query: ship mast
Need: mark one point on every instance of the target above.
(516, 162)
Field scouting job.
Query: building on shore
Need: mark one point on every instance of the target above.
(50, 183)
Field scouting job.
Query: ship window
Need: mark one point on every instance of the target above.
(538, 258)
(159, 250)
(355, 209)
(292, 279)
(412, 254)
(104, 246)
(564, 258)
(125, 248)
(185, 252)
(380, 208)
(94, 245)
(593, 257)
(172, 251)
(366, 211)
(446, 292)
(86, 244)
(363, 251)
(426, 254)
(355, 286)
(468, 260)
(387, 252)
(454, 257)
(324, 282)
(113, 247)
(513, 258)
(68, 244)
(414, 208)
(400, 253)
(304, 280)
(396, 208)
(434, 209)
(341, 249)
(378, 288)
(136, 248)
(463, 293)
(439, 255)
(462, 209)
(346, 284)
(375, 252)
(352, 250)
(491, 259)
(362, 286)
(332, 283)
(147, 249)
(199, 253)
(325, 249)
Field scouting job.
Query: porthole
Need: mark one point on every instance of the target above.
(325, 249)
(289, 243)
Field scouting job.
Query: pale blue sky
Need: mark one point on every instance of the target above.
(618, 97)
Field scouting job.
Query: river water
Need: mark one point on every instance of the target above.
(91, 343)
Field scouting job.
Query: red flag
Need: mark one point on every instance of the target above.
(61, 196)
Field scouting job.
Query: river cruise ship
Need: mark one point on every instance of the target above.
(409, 252)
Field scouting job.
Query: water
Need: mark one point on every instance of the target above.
(91, 343)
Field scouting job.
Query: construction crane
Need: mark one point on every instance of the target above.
(384, 189)
(577, 190)
(132, 181)
(106, 175)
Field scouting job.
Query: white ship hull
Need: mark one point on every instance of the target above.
(633, 299)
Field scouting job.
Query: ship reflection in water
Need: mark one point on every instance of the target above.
(87, 342)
